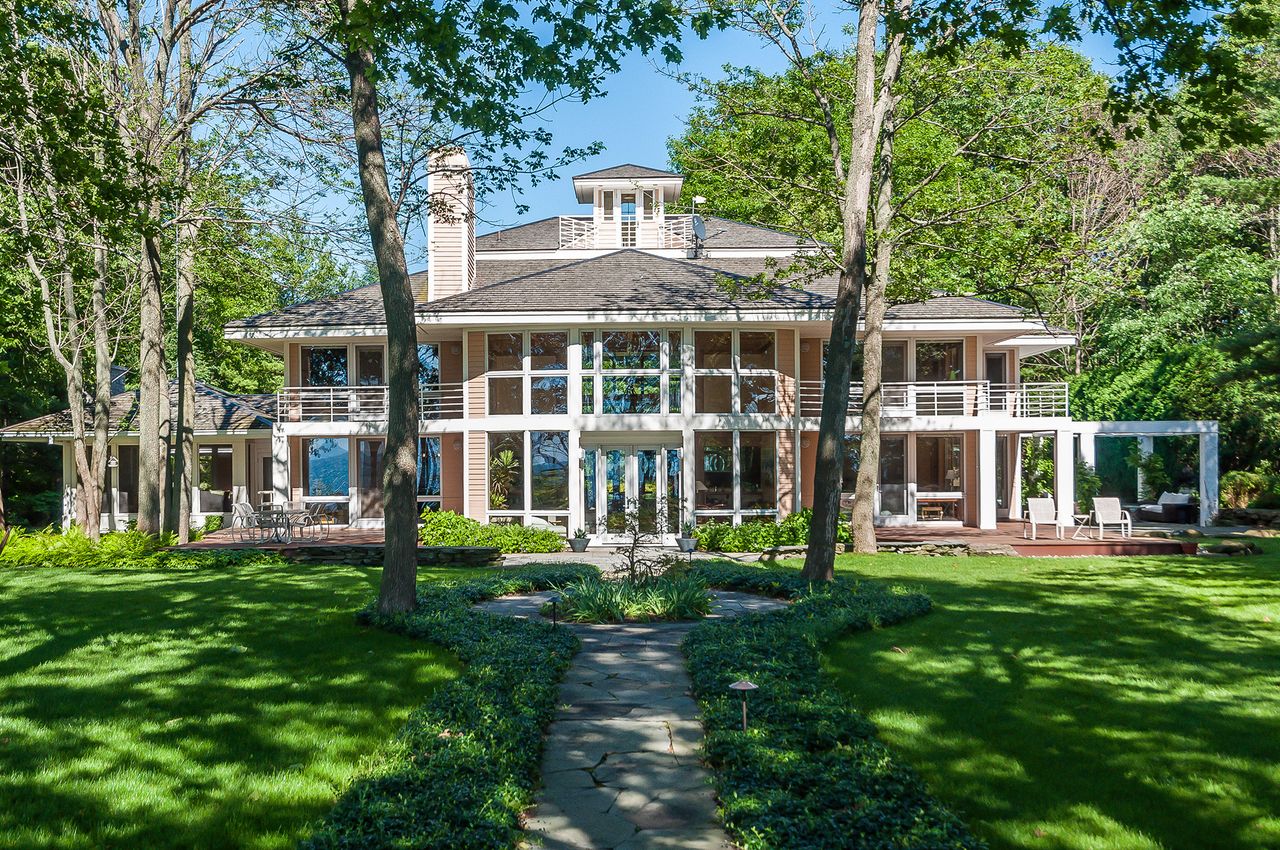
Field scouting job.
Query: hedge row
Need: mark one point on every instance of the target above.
(793, 530)
(809, 773)
(466, 763)
(445, 528)
(73, 549)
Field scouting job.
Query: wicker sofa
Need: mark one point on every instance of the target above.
(1171, 507)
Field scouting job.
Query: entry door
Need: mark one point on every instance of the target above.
(893, 476)
(640, 479)
(369, 459)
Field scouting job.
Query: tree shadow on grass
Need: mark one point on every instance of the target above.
(192, 709)
(1086, 703)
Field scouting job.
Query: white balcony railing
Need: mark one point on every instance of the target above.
(351, 404)
(582, 231)
(950, 398)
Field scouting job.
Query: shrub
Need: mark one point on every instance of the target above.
(73, 549)
(810, 767)
(212, 523)
(595, 600)
(793, 530)
(466, 763)
(445, 528)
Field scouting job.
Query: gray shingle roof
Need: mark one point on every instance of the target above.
(626, 170)
(356, 307)
(215, 410)
(724, 233)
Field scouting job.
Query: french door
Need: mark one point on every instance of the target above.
(625, 483)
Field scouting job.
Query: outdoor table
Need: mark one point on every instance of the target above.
(281, 522)
(1083, 522)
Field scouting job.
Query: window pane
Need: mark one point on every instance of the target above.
(589, 490)
(674, 506)
(714, 393)
(631, 394)
(939, 361)
(428, 364)
(369, 458)
(758, 453)
(548, 395)
(506, 396)
(757, 394)
(506, 471)
(938, 464)
(630, 349)
(757, 349)
(505, 352)
(893, 475)
(548, 351)
(675, 345)
(324, 367)
(369, 367)
(894, 368)
(673, 393)
(852, 458)
(429, 466)
(713, 350)
(588, 350)
(325, 467)
(713, 470)
(550, 469)
(215, 467)
(589, 396)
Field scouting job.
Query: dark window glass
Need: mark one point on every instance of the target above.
(939, 361)
(214, 464)
(506, 352)
(588, 350)
(893, 475)
(713, 350)
(548, 351)
(894, 368)
(369, 366)
(369, 465)
(428, 364)
(428, 466)
(324, 367)
(756, 349)
(549, 453)
(506, 396)
(758, 453)
(324, 467)
(713, 470)
(506, 471)
(127, 479)
(589, 490)
(673, 393)
(630, 350)
(631, 394)
(713, 393)
(548, 395)
(675, 345)
(757, 394)
(938, 464)
(852, 458)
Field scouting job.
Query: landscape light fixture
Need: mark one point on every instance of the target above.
(555, 601)
(743, 687)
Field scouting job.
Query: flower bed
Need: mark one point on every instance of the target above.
(445, 528)
(73, 549)
(597, 600)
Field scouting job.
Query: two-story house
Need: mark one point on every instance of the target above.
(581, 366)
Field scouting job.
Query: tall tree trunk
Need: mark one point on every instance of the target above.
(184, 460)
(863, 521)
(819, 564)
(153, 393)
(400, 566)
(102, 356)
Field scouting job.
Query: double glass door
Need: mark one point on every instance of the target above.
(626, 485)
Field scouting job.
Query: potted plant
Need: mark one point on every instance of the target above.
(686, 541)
(578, 542)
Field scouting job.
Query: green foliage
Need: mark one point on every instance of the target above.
(809, 767)
(597, 600)
(445, 528)
(793, 530)
(1088, 484)
(126, 550)
(1244, 488)
(1155, 475)
(466, 765)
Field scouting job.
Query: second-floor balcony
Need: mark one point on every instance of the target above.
(950, 398)
(584, 231)
(363, 404)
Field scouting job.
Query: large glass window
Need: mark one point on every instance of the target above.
(713, 349)
(713, 393)
(852, 460)
(369, 372)
(939, 361)
(324, 467)
(630, 350)
(893, 475)
(713, 470)
(756, 349)
(127, 479)
(757, 394)
(324, 367)
(506, 352)
(549, 452)
(429, 473)
(631, 394)
(215, 478)
(506, 396)
(939, 464)
(428, 364)
(506, 471)
(893, 368)
(548, 351)
(369, 466)
(718, 372)
(758, 455)
(548, 395)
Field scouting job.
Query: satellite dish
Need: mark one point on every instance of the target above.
(699, 228)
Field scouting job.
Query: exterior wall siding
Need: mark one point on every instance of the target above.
(452, 463)
(786, 473)
(477, 496)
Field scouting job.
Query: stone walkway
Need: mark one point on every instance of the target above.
(620, 766)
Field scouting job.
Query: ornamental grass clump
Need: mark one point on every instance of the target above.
(126, 550)
(598, 600)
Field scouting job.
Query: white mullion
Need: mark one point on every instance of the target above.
(736, 442)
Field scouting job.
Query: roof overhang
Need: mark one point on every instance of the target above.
(1029, 344)
(585, 187)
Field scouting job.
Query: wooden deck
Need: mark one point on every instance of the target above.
(1007, 534)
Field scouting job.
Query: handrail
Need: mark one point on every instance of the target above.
(950, 398)
(366, 403)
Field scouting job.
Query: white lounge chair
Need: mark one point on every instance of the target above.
(1041, 512)
(1107, 511)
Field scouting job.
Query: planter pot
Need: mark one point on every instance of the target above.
(578, 544)
(687, 544)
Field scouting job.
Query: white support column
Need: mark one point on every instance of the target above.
(986, 479)
(687, 461)
(1146, 445)
(1015, 479)
(1089, 451)
(68, 486)
(239, 472)
(1064, 476)
(279, 466)
(1208, 476)
(576, 519)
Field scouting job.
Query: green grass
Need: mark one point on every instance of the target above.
(1084, 703)
(192, 709)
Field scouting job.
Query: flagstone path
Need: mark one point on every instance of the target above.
(620, 768)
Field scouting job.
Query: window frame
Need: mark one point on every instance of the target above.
(526, 373)
(670, 365)
(736, 372)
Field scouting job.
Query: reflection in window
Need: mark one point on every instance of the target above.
(758, 456)
(938, 464)
(506, 471)
(852, 459)
(757, 394)
(675, 347)
(506, 352)
(428, 364)
(589, 395)
(630, 349)
(631, 394)
(506, 396)
(549, 395)
(713, 470)
(893, 475)
(588, 340)
(713, 349)
(713, 393)
(893, 368)
(324, 367)
(369, 366)
(589, 517)
(673, 393)
(215, 479)
(429, 472)
(939, 361)
(324, 467)
(549, 452)
(756, 349)
(548, 351)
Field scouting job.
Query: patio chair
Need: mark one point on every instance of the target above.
(1107, 511)
(244, 522)
(1041, 512)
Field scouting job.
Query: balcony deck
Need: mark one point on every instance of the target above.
(950, 398)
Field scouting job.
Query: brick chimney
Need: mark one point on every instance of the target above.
(451, 226)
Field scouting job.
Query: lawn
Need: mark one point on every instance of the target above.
(223, 708)
(1084, 703)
